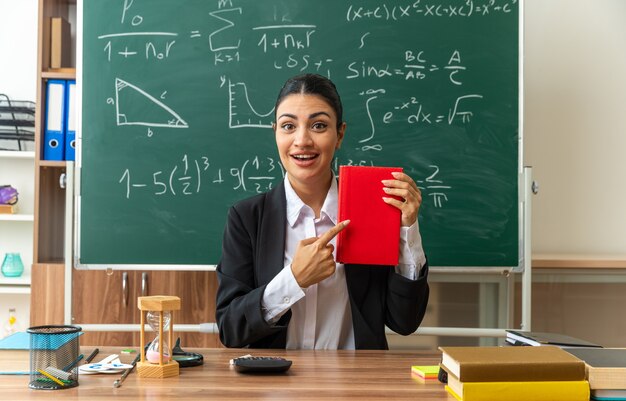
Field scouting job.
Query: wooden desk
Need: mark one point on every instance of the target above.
(314, 375)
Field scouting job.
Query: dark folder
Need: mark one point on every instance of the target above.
(516, 337)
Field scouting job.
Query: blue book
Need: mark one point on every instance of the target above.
(16, 341)
(22, 341)
(54, 128)
(70, 119)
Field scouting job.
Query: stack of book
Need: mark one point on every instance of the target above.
(8, 209)
(15, 354)
(514, 374)
(606, 371)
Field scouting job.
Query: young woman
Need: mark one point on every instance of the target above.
(279, 284)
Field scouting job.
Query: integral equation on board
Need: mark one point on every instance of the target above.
(290, 45)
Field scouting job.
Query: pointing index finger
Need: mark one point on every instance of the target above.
(330, 234)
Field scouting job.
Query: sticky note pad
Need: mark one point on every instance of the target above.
(426, 372)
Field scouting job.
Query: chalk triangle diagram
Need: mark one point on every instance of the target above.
(135, 106)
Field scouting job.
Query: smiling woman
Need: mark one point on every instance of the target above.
(279, 283)
(307, 135)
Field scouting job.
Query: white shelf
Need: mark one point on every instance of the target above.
(14, 285)
(22, 280)
(9, 289)
(17, 217)
(16, 230)
(14, 154)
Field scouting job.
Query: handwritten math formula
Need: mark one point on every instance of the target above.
(386, 94)
(178, 105)
(411, 9)
(191, 175)
(285, 45)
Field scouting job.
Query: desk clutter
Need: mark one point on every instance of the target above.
(509, 373)
(606, 371)
(56, 361)
(514, 374)
(109, 365)
(519, 337)
(541, 372)
(605, 368)
(54, 357)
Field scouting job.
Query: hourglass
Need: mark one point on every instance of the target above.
(157, 361)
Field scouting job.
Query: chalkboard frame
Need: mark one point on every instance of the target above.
(195, 267)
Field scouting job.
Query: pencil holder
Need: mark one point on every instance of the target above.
(54, 357)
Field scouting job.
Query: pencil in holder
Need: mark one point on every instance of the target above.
(54, 357)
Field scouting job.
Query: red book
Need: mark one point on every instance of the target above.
(373, 235)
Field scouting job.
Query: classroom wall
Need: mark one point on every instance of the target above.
(18, 49)
(18, 80)
(575, 130)
(575, 139)
(575, 133)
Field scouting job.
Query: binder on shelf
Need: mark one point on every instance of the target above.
(53, 148)
(70, 121)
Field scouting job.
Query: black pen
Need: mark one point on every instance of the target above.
(118, 382)
(92, 355)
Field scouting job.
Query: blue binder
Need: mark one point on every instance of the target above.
(70, 121)
(54, 132)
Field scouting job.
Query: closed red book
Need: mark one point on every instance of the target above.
(373, 235)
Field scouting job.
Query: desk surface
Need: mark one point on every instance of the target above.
(314, 375)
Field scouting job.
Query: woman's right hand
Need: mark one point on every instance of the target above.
(313, 260)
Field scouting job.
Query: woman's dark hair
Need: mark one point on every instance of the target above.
(313, 84)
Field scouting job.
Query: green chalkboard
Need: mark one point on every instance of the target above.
(177, 101)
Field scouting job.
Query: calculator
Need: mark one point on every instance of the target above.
(261, 364)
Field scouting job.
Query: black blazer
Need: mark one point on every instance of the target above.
(253, 254)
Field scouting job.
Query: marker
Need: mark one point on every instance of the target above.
(92, 355)
(118, 382)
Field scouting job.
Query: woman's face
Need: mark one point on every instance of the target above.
(307, 137)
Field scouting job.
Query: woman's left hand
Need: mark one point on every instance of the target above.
(404, 187)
